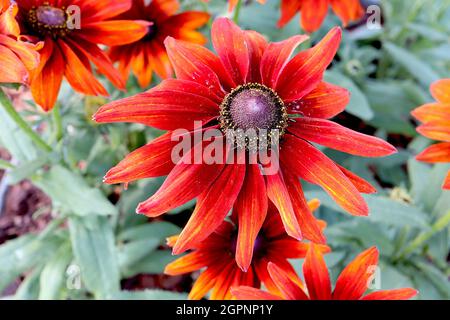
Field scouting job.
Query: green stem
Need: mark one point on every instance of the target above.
(237, 11)
(57, 120)
(4, 165)
(9, 108)
(442, 223)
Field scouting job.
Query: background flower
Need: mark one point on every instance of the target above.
(148, 55)
(68, 51)
(436, 125)
(18, 57)
(224, 268)
(351, 284)
(313, 12)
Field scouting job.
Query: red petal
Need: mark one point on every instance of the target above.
(316, 275)
(441, 90)
(288, 288)
(335, 136)
(196, 63)
(256, 45)
(249, 293)
(276, 57)
(313, 14)
(229, 42)
(325, 101)
(289, 248)
(279, 195)
(185, 182)
(212, 207)
(224, 281)
(308, 223)
(353, 281)
(362, 185)
(446, 184)
(183, 26)
(305, 71)
(306, 161)
(439, 152)
(289, 9)
(395, 294)
(164, 107)
(251, 207)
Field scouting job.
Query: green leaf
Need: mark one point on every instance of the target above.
(153, 263)
(132, 252)
(150, 295)
(359, 105)
(52, 277)
(68, 190)
(436, 277)
(383, 210)
(416, 67)
(155, 230)
(93, 246)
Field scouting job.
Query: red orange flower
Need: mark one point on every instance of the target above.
(217, 254)
(148, 54)
(313, 12)
(69, 47)
(436, 125)
(18, 57)
(351, 284)
(251, 84)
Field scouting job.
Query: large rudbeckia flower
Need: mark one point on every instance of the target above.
(17, 57)
(313, 12)
(250, 85)
(71, 31)
(351, 284)
(436, 125)
(148, 54)
(219, 253)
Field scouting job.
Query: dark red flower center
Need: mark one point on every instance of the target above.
(46, 20)
(255, 111)
(259, 248)
(152, 31)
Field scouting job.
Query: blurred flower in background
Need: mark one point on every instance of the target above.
(313, 12)
(351, 284)
(69, 48)
(219, 253)
(436, 125)
(149, 55)
(18, 56)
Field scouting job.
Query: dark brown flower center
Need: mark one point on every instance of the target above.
(255, 111)
(46, 20)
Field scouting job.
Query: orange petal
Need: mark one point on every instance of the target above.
(437, 130)
(439, 152)
(212, 207)
(26, 52)
(432, 112)
(188, 263)
(288, 288)
(313, 14)
(8, 23)
(348, 10)
(325, 101)
(279, 195)
(224, 281)
(275, 58)
(205, 282)
(310, 164)
(251, 206)
(114, 32)
(12, 70)
(441, 90)
(446, 184)
(46, 80)
(395, 294)
(183, 26)
(230, 44)
(353, 281)
(316, 275)
(335, 136)
(249, 293)
(305, 71)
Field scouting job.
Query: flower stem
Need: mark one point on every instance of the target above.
(57, 122)
(237, 11)
(9, 108)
